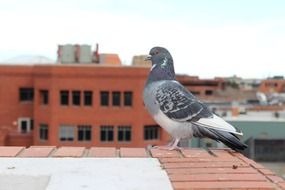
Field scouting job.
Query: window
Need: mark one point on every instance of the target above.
(124, 133)
(116, 97)
(64, 97)
(209, 92)
(128, 98)
(66, 133)
(84, 133)
(43, 132)
(107, 133)
(76, 98)
(88, 98)
(26, 94)
(43, 97)
(104, 98)
(25, 125)
(151, 132)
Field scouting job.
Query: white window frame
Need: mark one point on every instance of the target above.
(28, 120)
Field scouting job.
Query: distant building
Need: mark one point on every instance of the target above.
(81, 105)
(203, 88)
(108, 58)
(96, 101)
(139, 60)
(272, 86)
(82, 54)
(86, 105)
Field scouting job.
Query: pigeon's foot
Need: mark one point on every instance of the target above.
(175, 148)
(173, 145)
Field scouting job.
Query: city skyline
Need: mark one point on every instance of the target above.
(206, 38)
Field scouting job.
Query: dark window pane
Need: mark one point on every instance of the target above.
(84, 133)
(88, 135)
(24, 126)
(107, 133)
(80, 135)
(26, 94)
(124, 133)
(43, 132)
(88, 98)
(151, 132)
(76, 98)
(128, 136)
(209, 92)
(44, 97)
(104, 98)
(120, 136)
(116, 97)
(110, 135)
(64, 97)
(103, 135)
(128, 98)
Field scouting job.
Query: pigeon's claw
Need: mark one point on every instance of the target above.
(173, 145)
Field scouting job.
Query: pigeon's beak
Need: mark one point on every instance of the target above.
(147, 58)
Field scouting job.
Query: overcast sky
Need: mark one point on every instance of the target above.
(207, 38)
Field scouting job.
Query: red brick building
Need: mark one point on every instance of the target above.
(272, 86)
(80, 105)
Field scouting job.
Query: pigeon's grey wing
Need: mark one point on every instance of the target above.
(229, 139)
(179, 104)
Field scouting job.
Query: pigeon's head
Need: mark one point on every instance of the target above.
(158, 54)
(162, 63)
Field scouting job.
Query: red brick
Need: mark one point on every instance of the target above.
(275, 179)
(69, 152)
(196, 153)
(102, 152)
(205, 165)
(10, 151)
(265, 171)
(37, 151)
(133, 152)
(242, 157)
(196, 159)
(282, 185)
(247, 170)
(216, 177)
(223, 153)
(256, 165)
(223, 185)
(39, 146)
(157, 153)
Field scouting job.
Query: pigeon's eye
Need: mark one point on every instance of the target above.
(155, 53)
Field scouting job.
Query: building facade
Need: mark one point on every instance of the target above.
(86, 105)
(272, 86)
(81, 105)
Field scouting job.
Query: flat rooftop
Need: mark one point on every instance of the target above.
(50, 168)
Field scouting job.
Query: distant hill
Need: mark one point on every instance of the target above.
(29, 59)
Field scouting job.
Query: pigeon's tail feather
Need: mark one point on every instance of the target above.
(229, 139)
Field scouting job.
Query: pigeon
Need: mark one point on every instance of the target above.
(178, 111)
